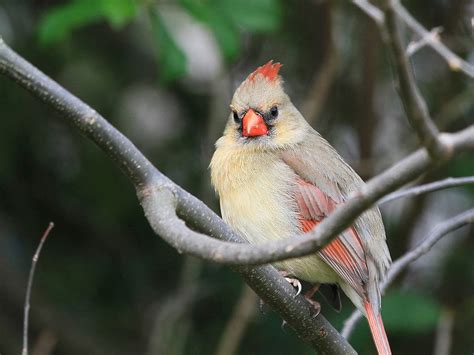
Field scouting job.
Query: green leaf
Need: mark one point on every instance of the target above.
(171, 58)
(409, 312)
(219, 22)
(59, 22)
(119, 12)
(253, 15)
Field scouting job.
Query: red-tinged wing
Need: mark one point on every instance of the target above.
(344, 254)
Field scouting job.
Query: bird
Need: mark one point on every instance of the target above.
(276, 177)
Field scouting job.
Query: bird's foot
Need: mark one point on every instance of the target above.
(315, 305)
(292, 281)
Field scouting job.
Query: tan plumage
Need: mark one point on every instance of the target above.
(269, 184)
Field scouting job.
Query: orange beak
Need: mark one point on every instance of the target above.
(253, 125)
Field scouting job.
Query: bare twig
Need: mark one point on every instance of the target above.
(454, 62)
(46, 343)
(414, 104)
(423, 189)
(324, 78)
(401, 263)
(243, 313)
(415, 46)
(372, 11)
(29, 286)
(444, 333)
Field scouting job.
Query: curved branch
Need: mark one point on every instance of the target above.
(441, 230)
(265, 281)
(423, 189)
(165, 202)
(166, 223)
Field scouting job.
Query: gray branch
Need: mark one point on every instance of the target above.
(167, 205)
(265, 280)
(455, 62)
(441, 230)
(414, 104)
(423, 189)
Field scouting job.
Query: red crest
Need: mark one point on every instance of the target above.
(269, 70)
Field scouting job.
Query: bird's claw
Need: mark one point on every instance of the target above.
(295, 283)
(292, 281)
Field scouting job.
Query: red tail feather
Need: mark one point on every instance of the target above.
(377, 329)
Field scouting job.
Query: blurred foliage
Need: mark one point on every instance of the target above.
(105, 282)
(420, 312)
(224, 17)
(60, 21)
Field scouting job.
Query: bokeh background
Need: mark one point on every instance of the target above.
(163, 72)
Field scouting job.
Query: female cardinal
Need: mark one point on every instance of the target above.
(277, 177)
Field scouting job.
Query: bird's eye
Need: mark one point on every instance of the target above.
(236, 116)
(274, 112)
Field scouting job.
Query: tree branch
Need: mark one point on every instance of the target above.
(265, 281)
(244, 311)
(372, 11)
(455, 62)
(423, 189)
(441, 230)
(30, 285)
(165, 203)
(414, 104)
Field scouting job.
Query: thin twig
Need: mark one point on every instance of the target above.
(415, 46)
(324, 78)
(441, 230)
(29, 286)
(444, 333)
(372, 11)
(423, 189)
(234, 331)
(455, 62)
(414, 104)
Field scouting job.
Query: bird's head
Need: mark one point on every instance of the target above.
(262, 115)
